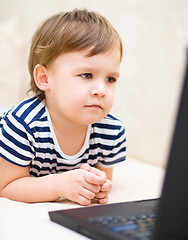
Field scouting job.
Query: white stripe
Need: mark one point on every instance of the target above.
(13, 158)
(38, 124)
(33, 112)
(23, 108)
(118, 156)
(42, 135)
(107, 131)
(12, 133)
(16, 148)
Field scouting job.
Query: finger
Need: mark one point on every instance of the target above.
(87, 193)
(93, 179)
(86, 167)
(98, 172)
(103, 200)
(100, 195)
(106, 186)
(92, 187)
(94, 170)
(83, 201)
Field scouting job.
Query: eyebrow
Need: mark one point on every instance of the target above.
(116, 74)
(90, 69)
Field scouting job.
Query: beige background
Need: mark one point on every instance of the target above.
(155, 37)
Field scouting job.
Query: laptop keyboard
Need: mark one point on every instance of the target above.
(136, 227)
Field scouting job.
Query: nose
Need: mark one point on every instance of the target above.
(99, 88)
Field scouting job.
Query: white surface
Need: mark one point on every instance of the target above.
(132, 180)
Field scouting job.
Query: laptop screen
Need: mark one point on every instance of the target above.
(173, 209)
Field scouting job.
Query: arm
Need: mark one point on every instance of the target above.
(76, 185)
(108, 171)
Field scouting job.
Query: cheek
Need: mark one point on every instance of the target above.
(72, 98)
(110, 103)
(111, 96)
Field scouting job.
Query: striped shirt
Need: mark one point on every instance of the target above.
(27, 138)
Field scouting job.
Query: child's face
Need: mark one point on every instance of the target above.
(81, 88)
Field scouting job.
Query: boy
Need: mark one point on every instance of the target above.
(62, 142)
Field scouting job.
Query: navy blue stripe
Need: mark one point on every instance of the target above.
(107, 136)
(15, 153)
(86, 152)
(54, 164)
(5, 158)
(40, 129)
(101, 146)
(45, 160)
(109, 116)
(15, 129)
(27, 128)
(107, 126)
(16, 142)
(22, 104)
(104, 136)
(44, 140)
(45, 150)
(71, 165)
(30, 108)
(1, 125)
(43, 119)
(115, 161)
(36, 167)
(94, 156)
(120, 134)
(111, 155)
(120, 143)
(105, 146)
(101, 155)
(39, 114)
(34, 174)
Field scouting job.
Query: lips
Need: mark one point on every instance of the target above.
(94, 106)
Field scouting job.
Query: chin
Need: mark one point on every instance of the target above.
(90, 121)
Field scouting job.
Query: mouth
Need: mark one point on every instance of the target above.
(94, 106)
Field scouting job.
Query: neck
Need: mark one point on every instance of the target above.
(70, 136)
(67, 127)
(61, 123)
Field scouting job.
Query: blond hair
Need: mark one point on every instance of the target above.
(70, 31)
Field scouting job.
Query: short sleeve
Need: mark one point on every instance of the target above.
(15, 140)
(116, 151)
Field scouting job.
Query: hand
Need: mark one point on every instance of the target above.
(102, 195)
(79, 185)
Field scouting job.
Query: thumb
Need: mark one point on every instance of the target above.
(86, 167)
(95, 171)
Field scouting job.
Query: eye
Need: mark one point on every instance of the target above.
(86, 75)
(110, 79)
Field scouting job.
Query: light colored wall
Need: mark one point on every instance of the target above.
(155, 36)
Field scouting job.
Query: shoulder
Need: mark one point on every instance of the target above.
(29, 110)
(24, 117)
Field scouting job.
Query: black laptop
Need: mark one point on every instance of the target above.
(158, 219)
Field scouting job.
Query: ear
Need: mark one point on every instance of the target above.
(41, 77)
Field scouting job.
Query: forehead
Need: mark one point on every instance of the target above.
(83, 58)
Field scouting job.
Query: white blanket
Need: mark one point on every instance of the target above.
(132, 180)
